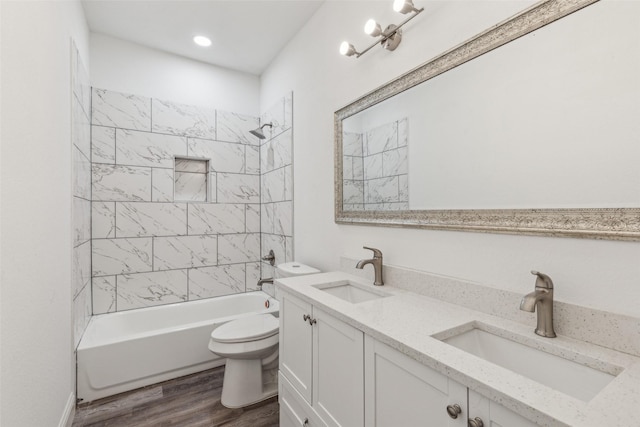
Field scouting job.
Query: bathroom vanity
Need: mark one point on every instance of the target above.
(352, 354)
(310, 338)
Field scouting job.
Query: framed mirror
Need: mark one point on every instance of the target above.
(527, 128)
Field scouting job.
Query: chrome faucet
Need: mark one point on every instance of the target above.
(542, 298)
(376, 261)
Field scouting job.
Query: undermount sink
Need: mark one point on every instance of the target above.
(566, 376)
(351, 292)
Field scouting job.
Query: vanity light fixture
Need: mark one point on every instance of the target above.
(202, 41)
(390, 37)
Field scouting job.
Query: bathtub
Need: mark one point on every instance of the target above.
(130, 349)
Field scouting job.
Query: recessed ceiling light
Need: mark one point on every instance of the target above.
(202, 41)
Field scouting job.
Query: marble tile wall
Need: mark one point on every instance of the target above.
(163, 230)
(375, 168)
(81, 209)
(276, 197)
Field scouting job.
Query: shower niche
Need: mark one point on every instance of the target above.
(191, 182)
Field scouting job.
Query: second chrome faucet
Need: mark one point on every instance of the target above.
(541, 301)
(376, 261)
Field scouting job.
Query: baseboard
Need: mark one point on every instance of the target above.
(69, 412)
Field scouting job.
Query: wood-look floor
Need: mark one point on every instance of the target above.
(192, 401)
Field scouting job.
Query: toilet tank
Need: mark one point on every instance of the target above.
(291, 269)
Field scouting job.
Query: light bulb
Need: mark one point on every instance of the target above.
(347, 49)
(372, 28)
(403, 6)
(202, 41)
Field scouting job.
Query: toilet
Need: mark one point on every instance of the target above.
(250, 345)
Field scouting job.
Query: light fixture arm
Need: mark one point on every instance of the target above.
(386, 34)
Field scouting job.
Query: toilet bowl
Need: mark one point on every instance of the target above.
(250, 346)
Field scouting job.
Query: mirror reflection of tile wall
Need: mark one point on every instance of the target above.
(375, 174)
(165, 230)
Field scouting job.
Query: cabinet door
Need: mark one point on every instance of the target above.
(294, 410)
(296, 344)
(401, 392)
(338, 380)
(493, 414)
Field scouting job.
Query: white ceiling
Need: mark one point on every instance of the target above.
(246, 34)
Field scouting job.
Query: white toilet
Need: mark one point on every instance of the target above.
(250, 345)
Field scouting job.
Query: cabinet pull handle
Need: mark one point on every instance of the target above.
(476, 422)
(307, 318)
(454, 410)
(305, 422)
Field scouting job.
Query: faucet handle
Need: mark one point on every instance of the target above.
(542, 281)
(376, 252)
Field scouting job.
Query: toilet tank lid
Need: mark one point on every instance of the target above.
(297, 268)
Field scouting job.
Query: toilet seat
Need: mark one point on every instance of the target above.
(250, 328)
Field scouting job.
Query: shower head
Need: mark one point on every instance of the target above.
(259, 133)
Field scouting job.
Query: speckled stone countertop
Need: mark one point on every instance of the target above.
(408, 322)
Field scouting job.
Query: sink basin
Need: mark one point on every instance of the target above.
(351, 292)
(566, 376)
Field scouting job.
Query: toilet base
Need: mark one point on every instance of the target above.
(245, 383)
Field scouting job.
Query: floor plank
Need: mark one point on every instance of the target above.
(192, 401)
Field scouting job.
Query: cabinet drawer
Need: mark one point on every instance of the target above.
(294, 410)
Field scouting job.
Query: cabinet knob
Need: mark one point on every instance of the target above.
(454, 410)
(305, 422)
(306, 317)
(476, 422)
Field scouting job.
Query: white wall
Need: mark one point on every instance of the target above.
(598, 274)
(37, 372)
(131, 68)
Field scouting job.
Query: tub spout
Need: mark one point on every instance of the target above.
(263, 281)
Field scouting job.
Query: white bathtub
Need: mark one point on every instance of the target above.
(130, 349)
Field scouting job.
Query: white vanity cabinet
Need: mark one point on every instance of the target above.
(321, 359)
(332, 375)
(401, 392)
